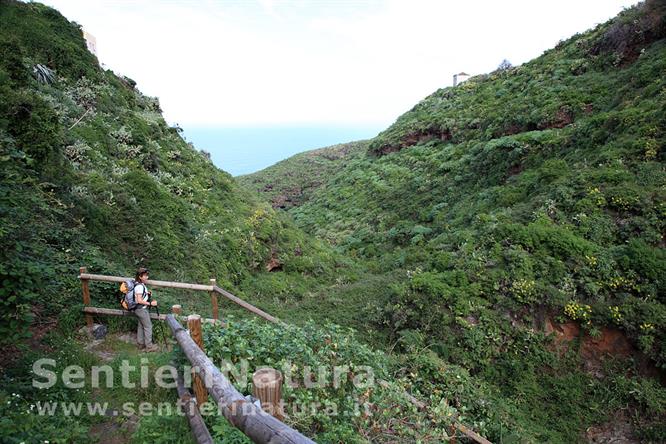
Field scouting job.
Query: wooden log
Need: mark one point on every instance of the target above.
(247, 306)
(267, 387)
(194, 326)
(213, 300)
(191, 411)
(258, 425)
(86, 297)
(117, 312)
(455, 426)
(163, 284)
(471, 434)
(420, 405)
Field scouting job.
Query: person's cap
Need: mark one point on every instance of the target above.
(141, 271)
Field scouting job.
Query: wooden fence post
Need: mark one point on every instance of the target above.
(194, 326)
(267, 387)
(452, 434)
(213, 300)
(86, 297)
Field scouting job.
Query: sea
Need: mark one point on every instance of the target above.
(245, 150)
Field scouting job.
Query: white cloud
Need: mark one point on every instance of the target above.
(294, 62)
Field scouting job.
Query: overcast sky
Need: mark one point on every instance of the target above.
(362, 62)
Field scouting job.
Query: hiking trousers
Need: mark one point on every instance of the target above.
(144, 331)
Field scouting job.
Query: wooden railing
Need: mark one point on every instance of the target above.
(250, 419)
(258, 425)
(213, 290)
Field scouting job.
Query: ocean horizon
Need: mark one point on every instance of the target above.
(245, 150)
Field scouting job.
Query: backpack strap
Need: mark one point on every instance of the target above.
(144, 293)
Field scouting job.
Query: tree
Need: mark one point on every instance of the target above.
(504, 65)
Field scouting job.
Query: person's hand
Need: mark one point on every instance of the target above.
(153, 303)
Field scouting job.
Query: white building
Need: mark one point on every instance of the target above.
(459, 78)
(91, 42)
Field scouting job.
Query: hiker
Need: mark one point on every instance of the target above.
(144, 331)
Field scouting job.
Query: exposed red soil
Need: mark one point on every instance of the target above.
(274, 263)
(562, 118)
(611, 341)
(414, 138)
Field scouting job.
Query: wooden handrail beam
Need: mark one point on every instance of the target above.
(164, 284)
(257, 425)
(247, 306)
(189, 407)
(118, 312)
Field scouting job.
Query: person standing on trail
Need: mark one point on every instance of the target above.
(144, 331)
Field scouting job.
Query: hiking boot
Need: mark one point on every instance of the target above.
(151, 348)
(141, 346)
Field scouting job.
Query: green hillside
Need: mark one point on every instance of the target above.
(465, 245)
(538, 185)
(292, 182)
(92, 175)
(519, 201)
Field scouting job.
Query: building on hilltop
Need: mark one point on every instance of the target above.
(459, 78)
(91, 42)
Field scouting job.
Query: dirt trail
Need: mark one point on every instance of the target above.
(115, 429)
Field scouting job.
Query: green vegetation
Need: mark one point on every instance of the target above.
(527, 200)
(292, 182)
(337, 408)
(451, 391)
(528, 195)
(21, 402)
(92, 175)
(528, 211)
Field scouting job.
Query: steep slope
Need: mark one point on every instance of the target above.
(524, 202)
(544, 183)
(291, 182)
(479, 240)
(92, 175)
